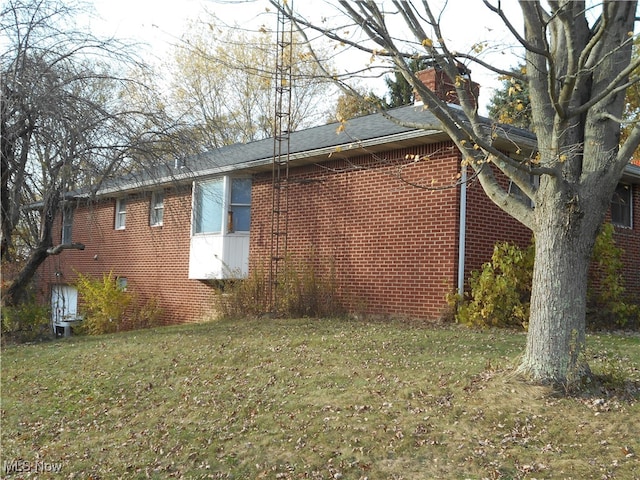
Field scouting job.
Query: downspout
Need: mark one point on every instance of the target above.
(462, 229)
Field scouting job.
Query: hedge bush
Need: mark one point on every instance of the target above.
(26, 322)
(108, 308)
(500, 292)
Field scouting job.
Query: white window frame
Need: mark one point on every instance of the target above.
(66, 234)
(120, 214)
(156, 209)
(225, 219)
(621, 204)
(230, 222)
(223, 253)
(197, 219)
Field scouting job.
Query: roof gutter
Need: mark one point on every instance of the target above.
(632, 172)
(462, 232)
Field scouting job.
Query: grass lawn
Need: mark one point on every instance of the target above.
(319, 399)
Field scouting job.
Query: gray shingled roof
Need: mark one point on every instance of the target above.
(324, 136)
(374, 128)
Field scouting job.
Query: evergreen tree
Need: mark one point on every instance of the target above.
(400, 92)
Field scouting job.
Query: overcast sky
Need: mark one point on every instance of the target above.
(161, 23)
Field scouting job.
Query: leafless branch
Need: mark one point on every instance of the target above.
(58, 249)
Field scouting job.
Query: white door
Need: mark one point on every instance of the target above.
(64, 303)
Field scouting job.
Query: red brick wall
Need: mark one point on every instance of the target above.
(629, 240)
(155, 260)
(487, 225)
(444, 88)
(394, 246)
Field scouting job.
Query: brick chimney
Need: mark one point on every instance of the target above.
(439, 82)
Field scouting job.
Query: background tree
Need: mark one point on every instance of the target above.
(510, 104)
(364, 102)
(400, 92)
(222, 86)
(578, 67)
(631, 113)
(361, 101)
(67, 123)
(350, 105)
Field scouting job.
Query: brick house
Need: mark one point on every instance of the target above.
(400, 233)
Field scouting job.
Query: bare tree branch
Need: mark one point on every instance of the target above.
(58, 249)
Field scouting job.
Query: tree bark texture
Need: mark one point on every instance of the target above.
(556, 337)
(575, 72)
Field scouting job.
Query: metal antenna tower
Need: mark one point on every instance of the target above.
(281, 144)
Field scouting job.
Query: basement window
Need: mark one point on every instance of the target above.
(621, 206)
(121, 283)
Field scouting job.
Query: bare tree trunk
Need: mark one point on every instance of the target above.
(5, 226)
(556, 339)
(578, 66)
(17, 291)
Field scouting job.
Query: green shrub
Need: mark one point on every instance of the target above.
(608, 306)
(501, 291)
(26, 322)
(108, 308)
(104, 304)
